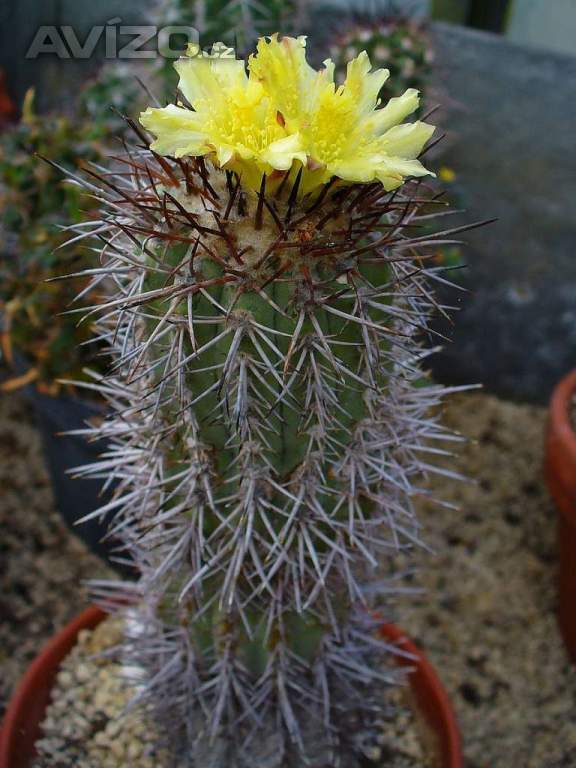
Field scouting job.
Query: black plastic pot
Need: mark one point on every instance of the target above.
(74, 497)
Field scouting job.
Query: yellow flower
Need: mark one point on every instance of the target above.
(284, 114)
(447, 174)
(233, 121)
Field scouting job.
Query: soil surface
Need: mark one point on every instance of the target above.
(486, 619)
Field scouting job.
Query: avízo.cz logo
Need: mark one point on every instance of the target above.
(122, 41)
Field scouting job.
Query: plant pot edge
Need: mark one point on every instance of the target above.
(424, 682)
(560, 472)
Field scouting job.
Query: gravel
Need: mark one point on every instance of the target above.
(87, 725)
(487, 620)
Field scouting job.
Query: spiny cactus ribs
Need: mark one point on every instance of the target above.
(269, 425)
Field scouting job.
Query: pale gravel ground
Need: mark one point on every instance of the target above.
(487, 622)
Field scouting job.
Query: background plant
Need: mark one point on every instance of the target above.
(34, 206)
(268, 427)
(398, 43)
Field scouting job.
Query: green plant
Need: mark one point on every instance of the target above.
(269, 420)
(34, 208)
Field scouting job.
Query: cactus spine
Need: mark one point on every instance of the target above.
(267, 423)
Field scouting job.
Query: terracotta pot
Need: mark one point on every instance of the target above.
(430, 698)
(21, 727)
(560, 465)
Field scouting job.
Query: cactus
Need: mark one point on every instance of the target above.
(269, 419)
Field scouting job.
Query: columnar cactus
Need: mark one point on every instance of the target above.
(268, 414)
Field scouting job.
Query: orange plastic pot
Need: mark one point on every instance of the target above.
(560, 467)
(21, 727)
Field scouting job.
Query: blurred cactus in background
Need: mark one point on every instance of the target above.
(270, 423)
(237, 23)
(401, 45)
(115, 91)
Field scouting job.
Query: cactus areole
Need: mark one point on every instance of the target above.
(270, 260)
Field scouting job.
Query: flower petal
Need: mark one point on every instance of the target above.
(205, 78)
(282, 153)
(361, 85)
(395, 111)
(407, 140)
(395, 168)
(281, 67)
(178, 131)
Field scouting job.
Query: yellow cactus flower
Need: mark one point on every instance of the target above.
(283, 115)
(232, 120)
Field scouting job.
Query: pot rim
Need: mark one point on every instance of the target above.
(431, 697)
(560, 422)
(26, 709)
(560, 457)
(25, 705)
